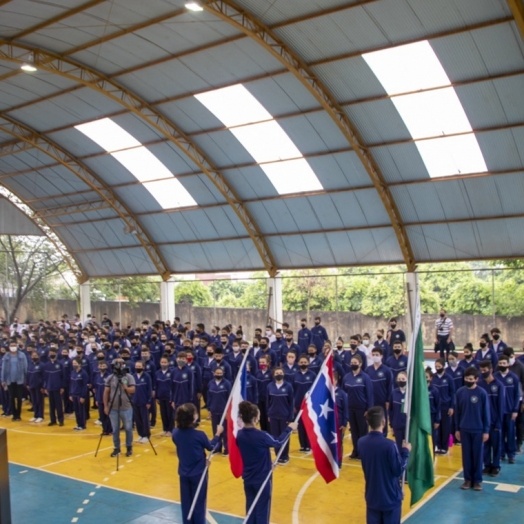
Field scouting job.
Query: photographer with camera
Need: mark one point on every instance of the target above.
(117, 404)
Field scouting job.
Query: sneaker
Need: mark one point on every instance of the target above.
(16, 419)
(115, 453)
(511, 460)
(302, 450)
(52, 424)
(144, 440)
(32, 419)
(487, 470)
(308, 450)
(105, 434)
(60, 423)
(139, 439)
(77, 428)
(39, 419)
(129, 452)
(283, 462)
(98, 423)
(225, 454)
(494, 472)
(477, 486)
(466, 485)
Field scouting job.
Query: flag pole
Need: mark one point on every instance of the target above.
(297, 418)
(413, 304)
(208, 460)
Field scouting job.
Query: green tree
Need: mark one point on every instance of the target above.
(255, 293)
(385, 296)
(194, 292)
(133, 289)
(313, 290)
(471, 298)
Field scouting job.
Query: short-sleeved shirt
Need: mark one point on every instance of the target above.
(443, 326)
(112, 383)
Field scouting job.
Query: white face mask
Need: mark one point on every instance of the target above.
(365, 342)
(377, 359)
(268, 333)
(235, 349)
(12, 349)
(512, 361)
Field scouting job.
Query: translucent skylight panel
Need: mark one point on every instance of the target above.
(407, 68)
(108, 135)
(453, 155)
(432, 113)
(234, 106)
(414, 67)
(266, 142)
(142, 164)
(292, 176)
(170, 193)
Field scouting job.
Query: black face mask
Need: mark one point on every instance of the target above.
(401, 383)
(354, 367)
(209, 353)
(483, 345)
(340, 348)
(503, 369)
(467, 357)
(303, 325)
(469, 384)
(303, 366)
(393, 326)
(485, 374)
(312, 355)
(397, 351)
(496, 336)
(100, 358)
(279, 378)
(263, 346)
(440, 371)
(353, 346)
(442, 315)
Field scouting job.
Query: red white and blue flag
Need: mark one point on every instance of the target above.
(320, 418)
(234, 422)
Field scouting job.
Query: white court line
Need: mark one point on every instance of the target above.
(423, 501)
(497, 483)
(298, 500)
(72, 458)
(344, 464)
(210, 518)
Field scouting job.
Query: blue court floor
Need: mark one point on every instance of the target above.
(38, 497)
(502, 500)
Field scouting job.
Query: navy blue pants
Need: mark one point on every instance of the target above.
(391, 516)
(444, 430)
(400, 435)
(434, 433)
(55, 406)
(302, 435)
(106, 421)
(6, 401)
(276, 428)
(492, 449)
(443, 347)
(68, 405)
(264, 426)
(472, 455)
(37, 399)
(141, 415)
(358, 427)
(16, 394)
(509, 439)
(80, 412)
(215, 421)
(262, 510)
(152, 412)
(167, 415)
(188, 487)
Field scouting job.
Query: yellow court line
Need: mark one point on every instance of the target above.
(430, 496)
(301, 493)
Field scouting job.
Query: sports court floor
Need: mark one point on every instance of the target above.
(55, 478)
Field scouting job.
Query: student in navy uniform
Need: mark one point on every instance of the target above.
(78, 392)
(444, 383)
(150, 368)
(251, 360)
(142, 399)
(382, 343)
(457, 374)
(359, 389)
(220, 362)
(315, 360)
(280, 408)
(353, 350)
(434, 407)
(517, 367)
(512, 388)
(35, 380)
(382, 380)
(265, 351)
(341, 398)
(485, 352)
(468, 360)
(304, 379)
(191, 445)
(277, 346)
(395, 334)
(318, 335)
(304, 336)
(205, 362)
(164, 382)
(263, 377)
(99, 384)
(472, 420)
(234, 358)
(497, 344)
(182, 382)
(54, 388)
(251, 385)
(254, 446)
(217, 396)
(398, 362)
(497, 404)
(289, 345)
(193, 365)
(396, 410)
(383, 465)
(290, 368)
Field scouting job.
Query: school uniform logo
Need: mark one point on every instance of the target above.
(474, 399)
(142, 380)
(308, 379)
(168, 375)
(494, 388)
(359, 381)
(221, 386)
(380, 374)
(184, 375)
(401, 364)
(509, 380)
(445, 381)
(57, 366)
(283, 390)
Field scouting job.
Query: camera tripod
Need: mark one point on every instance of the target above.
(118, 389)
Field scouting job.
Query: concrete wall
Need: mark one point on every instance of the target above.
(344, 324)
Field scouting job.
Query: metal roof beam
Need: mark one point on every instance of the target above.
(517, 8)
(14, 146)
(56, 19)
(74, 165)
(245, 22)
(73, 208)
(77, 72)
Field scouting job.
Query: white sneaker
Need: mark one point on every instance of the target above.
(32, 419)
(39, 419)
(139, 439)
(98, 423)
(144, 440)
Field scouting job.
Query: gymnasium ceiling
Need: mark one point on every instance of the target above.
(153, 139)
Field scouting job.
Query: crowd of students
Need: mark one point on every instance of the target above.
(69, 362)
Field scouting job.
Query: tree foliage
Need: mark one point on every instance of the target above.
(130, 289)
(193, 292)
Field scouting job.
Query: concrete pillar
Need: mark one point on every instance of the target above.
(167, 300)
(85, 300)
(413, 303)
(274, 290)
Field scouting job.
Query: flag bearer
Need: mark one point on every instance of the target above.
(35, 380)
(304, 379)
(343, 413)
(444, 383)
(217, 397)
(434, 406)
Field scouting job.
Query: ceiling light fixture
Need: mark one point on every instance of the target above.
(194, 6)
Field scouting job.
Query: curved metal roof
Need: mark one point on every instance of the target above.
(146, 66)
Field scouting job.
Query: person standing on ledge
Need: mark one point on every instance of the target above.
(443, 335)
(383, 466)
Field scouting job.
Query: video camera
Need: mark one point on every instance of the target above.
(119, 369)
